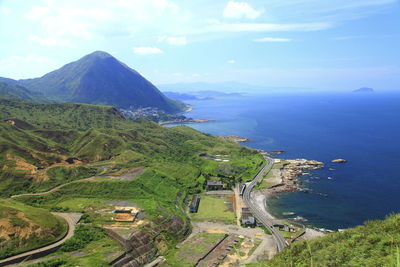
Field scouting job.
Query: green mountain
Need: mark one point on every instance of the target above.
(99, 78)
(16, 92)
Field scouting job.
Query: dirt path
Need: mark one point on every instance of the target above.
(70, 218)
(51, 190)
(238, 205)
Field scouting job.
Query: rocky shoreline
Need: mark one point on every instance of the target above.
(235, 138)
(188, 120)
(285, 178)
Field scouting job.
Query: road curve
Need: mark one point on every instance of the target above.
(70, 218)
(257, 212)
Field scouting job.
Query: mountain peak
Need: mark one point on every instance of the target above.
(99, 54)
(99, 78)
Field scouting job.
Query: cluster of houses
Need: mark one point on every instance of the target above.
(247, 219)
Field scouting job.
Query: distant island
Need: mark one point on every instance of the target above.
(364, 90)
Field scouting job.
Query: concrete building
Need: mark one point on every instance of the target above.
(248, 218)
(125, 214)
(215, 185)
(194, 204)
(284, 227)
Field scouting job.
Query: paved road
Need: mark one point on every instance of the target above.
(71, 219)
(257, 212)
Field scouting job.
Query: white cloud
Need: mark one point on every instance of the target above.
(181, 40)
(38, 12)
(5, 10)
(272, 39)
(50, 41)
(239, 10)
(33, 64)
(232, 61)
(147, 50)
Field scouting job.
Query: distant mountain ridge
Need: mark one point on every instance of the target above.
(17, 92)
(364, 90)
(99, 78)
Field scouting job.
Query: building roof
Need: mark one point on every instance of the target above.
(195, 201)
(126, 209)
(210, 182)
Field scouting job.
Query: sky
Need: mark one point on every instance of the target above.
(327, 45)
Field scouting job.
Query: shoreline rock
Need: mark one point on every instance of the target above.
(339, 161)
(235, 138)
(184, 121)
(289, 173)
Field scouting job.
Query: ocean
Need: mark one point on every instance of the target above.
(363, 128)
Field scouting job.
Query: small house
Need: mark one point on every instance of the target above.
(194, 204)
(214, 185)
(248, 218)
(284, 227)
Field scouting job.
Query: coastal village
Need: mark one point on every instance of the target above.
(224, 230)
(220, 211)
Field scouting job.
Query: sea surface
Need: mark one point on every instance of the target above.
(363, 128)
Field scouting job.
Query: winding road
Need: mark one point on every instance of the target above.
(257, 212)
(70, 218)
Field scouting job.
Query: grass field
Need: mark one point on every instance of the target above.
(97, 253)
(215, 208)
(192, 250)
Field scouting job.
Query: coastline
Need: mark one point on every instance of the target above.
(186, 121)
(283, 178)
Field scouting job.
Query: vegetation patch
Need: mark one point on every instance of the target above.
(192, 250)
(376, 243)
(83, 235)
(24, 228)
(215, 208)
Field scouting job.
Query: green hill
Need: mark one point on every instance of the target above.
(36, 141)
(16, 92)
(99, 78)
(99, 157)
(377, 243)
(24, 228)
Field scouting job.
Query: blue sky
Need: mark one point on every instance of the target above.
(328, 45)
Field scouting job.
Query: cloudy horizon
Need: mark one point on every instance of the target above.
(335, 45)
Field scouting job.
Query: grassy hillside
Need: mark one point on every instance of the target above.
(100, 157)
(37, 138)
(16, 92)
(23, 228)
(377, 243)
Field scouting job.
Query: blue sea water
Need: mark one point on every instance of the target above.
(361, 128)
